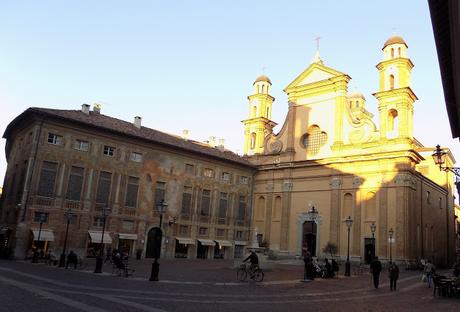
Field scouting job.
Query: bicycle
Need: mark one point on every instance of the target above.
(244, 270)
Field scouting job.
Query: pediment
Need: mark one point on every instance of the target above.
(314, 73)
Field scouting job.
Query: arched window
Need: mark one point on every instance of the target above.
(254, 111)
(357, 103)
(392, 53)
(399, 52)
(263, 89)
(392, 120)
(347, 206)
(392, 82)
(268, 111)
(257, 89)
(253, 140)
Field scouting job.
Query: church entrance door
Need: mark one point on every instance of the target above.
(309, 238)
(369, 249)
(153, 249)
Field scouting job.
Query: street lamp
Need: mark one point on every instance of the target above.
(42, 219)
(161, 208)
(68, 215)
(349, 223)
(100, 257)
(373, 228)
(390, 234)
(313, 215)
(439, 157)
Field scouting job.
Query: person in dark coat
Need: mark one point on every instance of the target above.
(72, 258)
(328, 266)
(307, 274)
(254, 261)
(376, 268)
(393, 274)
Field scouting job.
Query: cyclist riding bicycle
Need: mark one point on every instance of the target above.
(254, 260)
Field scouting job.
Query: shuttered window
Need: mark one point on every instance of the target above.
(131, 192)
(47, 179)
(103, 187)
(186, 200)
(242, 208)
(75, 184)
(159, 193)
(205, 201)
(223, 205)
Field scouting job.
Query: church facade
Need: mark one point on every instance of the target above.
(330, 155)
(329, 166)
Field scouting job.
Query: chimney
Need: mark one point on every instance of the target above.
(97, 108)
(221, 145)
(185, 134)
(212, 141)
(137, 122)
(85, 108)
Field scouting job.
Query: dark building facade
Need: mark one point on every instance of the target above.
(85, 162)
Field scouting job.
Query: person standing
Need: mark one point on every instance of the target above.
(376, 268)
(307, 266)
(393, 274)
(429, 271)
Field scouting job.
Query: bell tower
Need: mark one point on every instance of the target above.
(259, 123)
(395, 97)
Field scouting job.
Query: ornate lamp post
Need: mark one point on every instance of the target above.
(390, 235)
(161, 208)
(100, 257)
(439, 157)
(373, 228)
(42, 219)
(349, 223)
(68, 215)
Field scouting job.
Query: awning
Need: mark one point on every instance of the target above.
(96, 237)
(45, 235)
(206, 242)
(240, 243)
(185, 240)
(127, 236)
(224, 243)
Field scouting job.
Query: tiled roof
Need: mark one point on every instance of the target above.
(125, 128)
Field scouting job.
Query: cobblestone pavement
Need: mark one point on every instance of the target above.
(204, 286)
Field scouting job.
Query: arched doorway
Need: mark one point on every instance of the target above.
(309, 238)
(369, 249)
(153, 243)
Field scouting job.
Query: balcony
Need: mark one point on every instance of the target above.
(222, 221)
(72, 204)
(44, 201)
(128, 211)
(204, 219)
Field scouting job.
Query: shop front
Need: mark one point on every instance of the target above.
(126, 243)
(94, 243)
(181, 249)
(42, 239)
(203, 248)
(222, 249)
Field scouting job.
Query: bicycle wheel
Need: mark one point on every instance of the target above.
(258, 275)
(241, 275)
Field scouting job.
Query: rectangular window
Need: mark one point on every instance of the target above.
(440, 203)
(244, 180)
(109, 150)
(186, 200)
(98, 221)
(428, 197)
(190, 169)
(136, 157)
(131, 192)
(159, 193)
(127, 225)
(183, 230)
(226, 177)
(203, 231)
(239, 235)
(103, 187)
(220, 233)
(81, 145)
(223, 205)
(205, 201)
(75, 184)
(41, 217)
(209, 173)
(241, 208)
(47, 179)
(54, 139)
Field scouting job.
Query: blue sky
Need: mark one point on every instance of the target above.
(191, 64)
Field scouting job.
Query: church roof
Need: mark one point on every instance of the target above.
(263, 78)
(124, 129)
(394, 40)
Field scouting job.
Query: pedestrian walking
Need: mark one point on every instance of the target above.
(428, 271)
(376, 268)
(307, 266)
(72, 258)
(393, 274)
